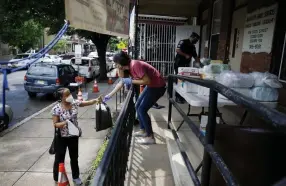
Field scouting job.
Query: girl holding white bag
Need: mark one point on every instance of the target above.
(65, 121)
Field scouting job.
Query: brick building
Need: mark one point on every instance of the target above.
(247, 34)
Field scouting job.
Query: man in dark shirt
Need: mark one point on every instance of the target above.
(185, 51)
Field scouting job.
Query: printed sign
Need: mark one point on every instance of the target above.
(259, 30)
(77, 53)
(109, 17)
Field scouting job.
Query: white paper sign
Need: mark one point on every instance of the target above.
(259, 30)
(77, 52)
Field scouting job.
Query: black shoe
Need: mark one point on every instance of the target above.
(136, 122)
(156, 106)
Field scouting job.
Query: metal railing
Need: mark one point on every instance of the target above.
(274, 118)
(120, 96)
(113, 166)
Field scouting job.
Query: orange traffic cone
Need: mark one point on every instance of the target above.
(79, 95)
(95, 87)
(63, 178)
(141, 88)
(110, 81)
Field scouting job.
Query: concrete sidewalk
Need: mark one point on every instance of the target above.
(24, 156)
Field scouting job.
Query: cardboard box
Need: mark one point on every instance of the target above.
(188, 71)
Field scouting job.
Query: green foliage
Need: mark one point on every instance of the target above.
(60, 46)
(50, 14)
(114, 41)
(26, 35)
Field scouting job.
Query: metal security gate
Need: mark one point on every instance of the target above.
(158, 41)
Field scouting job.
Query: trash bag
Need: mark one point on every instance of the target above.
(103, 117)
(235, 80)
(264, 94)
(266, 79)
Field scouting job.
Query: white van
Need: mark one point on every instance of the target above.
(89, 67)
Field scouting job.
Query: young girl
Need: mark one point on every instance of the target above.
(141, 73)
(67, 111)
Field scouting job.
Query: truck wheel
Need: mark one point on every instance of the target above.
(32, 94)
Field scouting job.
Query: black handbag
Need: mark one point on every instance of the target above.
(52, 149)
(103, 117)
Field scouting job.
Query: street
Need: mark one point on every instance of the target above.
(19, 100)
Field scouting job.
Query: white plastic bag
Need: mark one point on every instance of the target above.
(235, 80)
(264, 94)
(265, 79)
(73, 130)
(215, 68)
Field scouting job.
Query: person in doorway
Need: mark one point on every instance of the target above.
(186, 50)
(65, 113)
(141, 73)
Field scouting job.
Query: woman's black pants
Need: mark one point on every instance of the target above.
(61, 144)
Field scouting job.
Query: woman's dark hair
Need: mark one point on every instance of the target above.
(126, 73)
(59, 94)
(122, 58)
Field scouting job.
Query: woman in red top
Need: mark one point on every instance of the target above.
(141, 74)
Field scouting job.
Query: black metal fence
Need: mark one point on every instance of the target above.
(274, 118)
(113, 166)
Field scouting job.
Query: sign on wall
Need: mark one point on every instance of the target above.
(259, 30)
(109, 17)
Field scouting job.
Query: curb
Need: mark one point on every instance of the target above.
(25, 120)
(38, 113)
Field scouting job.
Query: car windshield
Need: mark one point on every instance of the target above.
(84, 62)
(21, 56)
(47, 71)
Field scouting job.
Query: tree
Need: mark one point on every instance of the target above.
(51, 14)
(113, 43)
(24, 36)
(60, 46)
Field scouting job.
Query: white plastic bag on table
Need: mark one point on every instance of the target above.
(266, 94)
(265, 79)
(235, 80)
(205, 61)
(215, 68)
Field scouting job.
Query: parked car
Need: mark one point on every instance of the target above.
(93, 55)
(88, 68)
(109, 55)
(48, 78)
(7, 117)
(109, 64)
(24, 62)
(52, 59)
(66, 58)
